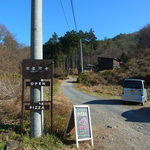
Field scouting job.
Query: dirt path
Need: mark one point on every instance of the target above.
(116, 126)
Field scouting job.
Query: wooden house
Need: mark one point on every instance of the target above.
(107, 63)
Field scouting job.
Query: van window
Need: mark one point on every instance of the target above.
(133, 84)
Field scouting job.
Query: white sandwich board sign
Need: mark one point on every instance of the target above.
(80, 118)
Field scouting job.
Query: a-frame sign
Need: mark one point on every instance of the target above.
(80, 118)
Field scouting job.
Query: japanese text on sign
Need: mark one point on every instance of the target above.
(37, 69)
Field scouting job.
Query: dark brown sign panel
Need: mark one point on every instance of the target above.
(36, 107)
(38, 83)
(37, 69)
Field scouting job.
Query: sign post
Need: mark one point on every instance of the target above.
(80, 119)
(37, 74)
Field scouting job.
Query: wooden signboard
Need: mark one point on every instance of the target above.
(80, 119)
(37, 69)
(37, 73)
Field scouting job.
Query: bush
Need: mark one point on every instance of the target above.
(84, 78)
(90, 79)
(108, 77)
(113, 76)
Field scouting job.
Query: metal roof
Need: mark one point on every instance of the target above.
(134, 80)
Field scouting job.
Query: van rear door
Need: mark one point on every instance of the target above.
(133, 88)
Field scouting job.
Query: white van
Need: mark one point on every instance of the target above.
(134, 91)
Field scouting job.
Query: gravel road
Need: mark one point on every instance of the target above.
(116, 126)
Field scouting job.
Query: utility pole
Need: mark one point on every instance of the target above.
(36, 116)
(81, 56)
(81, 50)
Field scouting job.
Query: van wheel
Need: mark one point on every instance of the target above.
(142, 104)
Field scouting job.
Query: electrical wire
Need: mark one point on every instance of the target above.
(75, 23)
(73, 12)
(64, 14)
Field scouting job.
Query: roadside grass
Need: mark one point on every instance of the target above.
(48, 141)
(2, 145)
(10, 122)
(104, 91)
(104, 83)
(99, 84)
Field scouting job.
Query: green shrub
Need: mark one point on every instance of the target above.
(113, 76)
(84, 78)
(91, 78)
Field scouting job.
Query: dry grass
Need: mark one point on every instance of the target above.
(10, 101)
(61, 109)
(102, 90)
(10, 115)
(10, 85)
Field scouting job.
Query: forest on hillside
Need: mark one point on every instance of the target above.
(133, 49)
(65, 49)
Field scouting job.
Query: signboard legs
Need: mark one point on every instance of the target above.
(52, 97)
(21, 121)
(77, 142)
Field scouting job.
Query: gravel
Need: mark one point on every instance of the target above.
(116, 126)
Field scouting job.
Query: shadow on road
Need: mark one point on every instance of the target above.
(111, 102)
(105, 102)
(71, 81)
(138, 115)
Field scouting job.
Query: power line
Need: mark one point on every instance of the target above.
(64, 14)
(73, 12)
(81, 51)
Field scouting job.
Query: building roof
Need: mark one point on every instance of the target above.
(134, 80)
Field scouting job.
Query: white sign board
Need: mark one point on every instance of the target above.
(80, 118)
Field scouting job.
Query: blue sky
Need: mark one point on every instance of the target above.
(107, 18)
